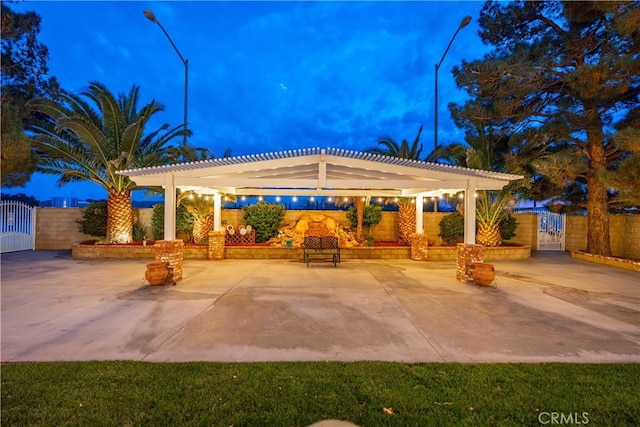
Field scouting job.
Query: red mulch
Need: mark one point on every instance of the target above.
(149, 243)
(378, 243)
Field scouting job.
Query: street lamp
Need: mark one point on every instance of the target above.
(465, 21)
(151, 17)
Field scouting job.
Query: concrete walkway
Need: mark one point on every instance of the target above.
(547, 308)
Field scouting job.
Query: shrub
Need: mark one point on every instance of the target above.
(265, 218)
(138, 232)
(508, 226)
(372, 216)
(184, 221)
(452, 228)
(94, 219)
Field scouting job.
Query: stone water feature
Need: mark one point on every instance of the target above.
(317, 224)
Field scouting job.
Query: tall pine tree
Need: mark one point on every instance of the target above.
(24, 77)
(562, 81)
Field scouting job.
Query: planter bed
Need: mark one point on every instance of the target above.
(135, 250)
(449, 253)
(385, 250)
(627, 264)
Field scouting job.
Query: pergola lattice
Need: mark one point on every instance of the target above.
(319, 172)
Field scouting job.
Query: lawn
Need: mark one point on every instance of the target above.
(301, 393)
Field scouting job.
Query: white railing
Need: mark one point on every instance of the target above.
(17, 226)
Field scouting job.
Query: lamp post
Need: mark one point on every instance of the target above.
(151, 17)
(465, 21)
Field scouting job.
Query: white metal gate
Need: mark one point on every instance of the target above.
(17, 226)
(551, 230)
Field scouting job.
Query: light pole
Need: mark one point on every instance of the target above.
(151, 17)
(465, 21)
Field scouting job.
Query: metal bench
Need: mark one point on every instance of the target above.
(321, 247)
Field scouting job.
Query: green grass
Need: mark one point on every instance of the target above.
(298, 394)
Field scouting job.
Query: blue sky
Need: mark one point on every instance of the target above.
(267, 76)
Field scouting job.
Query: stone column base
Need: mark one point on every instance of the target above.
(216, 245)
(419, 247)
(172, 253)
(467, 256)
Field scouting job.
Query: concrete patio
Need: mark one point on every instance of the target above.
(546, 308)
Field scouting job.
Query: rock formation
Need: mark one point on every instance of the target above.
(313, 225)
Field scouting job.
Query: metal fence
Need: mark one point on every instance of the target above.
(17, 226)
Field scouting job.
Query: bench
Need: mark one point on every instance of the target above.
(321, 247)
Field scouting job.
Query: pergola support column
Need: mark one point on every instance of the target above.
(217, 212)
(419, 241)
(468, 253)
(169, 208)
(419, 213)
(470, 213)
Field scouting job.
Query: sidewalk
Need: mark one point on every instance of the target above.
(546, 308)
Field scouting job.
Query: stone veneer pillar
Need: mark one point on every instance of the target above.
(419, 247)
(216, 245)
(467, 256)
(172, 253)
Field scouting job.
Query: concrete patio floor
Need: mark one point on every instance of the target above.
(546, 308)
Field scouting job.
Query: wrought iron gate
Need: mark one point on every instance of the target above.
(17, 226)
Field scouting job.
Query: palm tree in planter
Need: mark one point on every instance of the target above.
(492, 207)
(359, 203)
(201, 208)
(387, 146)
(91, 136)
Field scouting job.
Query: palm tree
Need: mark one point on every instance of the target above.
(480, 151)
(93, 135)
(406, 208)
(387, 146)
(358, 202)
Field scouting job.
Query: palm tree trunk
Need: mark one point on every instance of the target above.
(119, 217)
(202, 225)
(359, 202)
(406, 221)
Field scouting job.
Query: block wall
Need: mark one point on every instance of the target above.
(624, 235)
(527, 231)
(56, 228)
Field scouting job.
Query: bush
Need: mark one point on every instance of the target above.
(265, 218)
(184, 221)
(452, 228)
(508, 226)
(372, 216)
(94, 219)
(138, 232)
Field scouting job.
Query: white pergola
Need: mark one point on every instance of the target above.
(319, 172)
